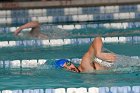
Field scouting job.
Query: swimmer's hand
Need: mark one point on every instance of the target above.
(17, 31)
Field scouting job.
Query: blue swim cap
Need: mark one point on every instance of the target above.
(59, 63)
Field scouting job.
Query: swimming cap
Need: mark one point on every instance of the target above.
(59, 63)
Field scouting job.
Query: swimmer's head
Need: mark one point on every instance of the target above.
(60, 63)
(64, 63)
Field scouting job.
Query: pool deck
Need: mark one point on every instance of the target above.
(64, 3)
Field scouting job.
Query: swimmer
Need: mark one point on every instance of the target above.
(35, 31)
(91, 60)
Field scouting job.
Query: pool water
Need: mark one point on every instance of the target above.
(60, 78)
(45, 76)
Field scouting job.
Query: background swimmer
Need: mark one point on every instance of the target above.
(35, 31)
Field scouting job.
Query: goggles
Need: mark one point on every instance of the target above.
(68, 63)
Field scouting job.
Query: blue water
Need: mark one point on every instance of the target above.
(57, 78)
(48, 77)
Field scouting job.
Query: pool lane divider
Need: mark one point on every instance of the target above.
(70, 18)
(112, 89)
(60, 42)
(107, 26)
(33, 63)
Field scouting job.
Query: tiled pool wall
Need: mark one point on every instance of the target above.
(71, 14)
(60, 42)
(126, 16)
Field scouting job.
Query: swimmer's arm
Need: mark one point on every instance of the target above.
(27, 25)
(109, 57)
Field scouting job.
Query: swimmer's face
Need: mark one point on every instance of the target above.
(71, 67)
